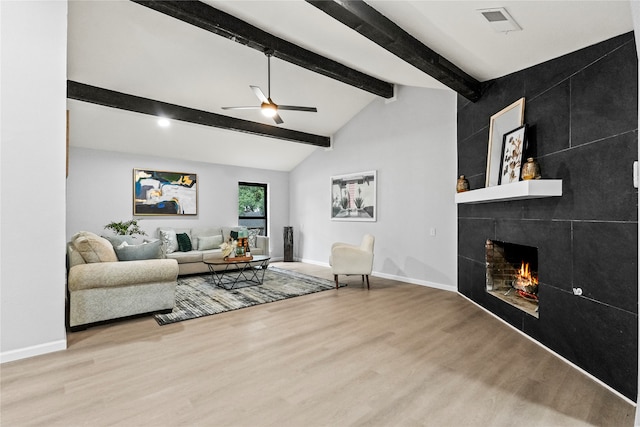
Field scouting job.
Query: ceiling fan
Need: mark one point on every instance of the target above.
(267, 106)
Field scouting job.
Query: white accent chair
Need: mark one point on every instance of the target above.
(351, 259)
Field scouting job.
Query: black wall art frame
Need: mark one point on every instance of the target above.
(513, 147)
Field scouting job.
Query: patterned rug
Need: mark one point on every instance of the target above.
(196, 296)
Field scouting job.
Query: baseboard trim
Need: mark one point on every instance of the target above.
(570, 363)
(392, 277)
(36, 350)
(420, 282)
(310, 261)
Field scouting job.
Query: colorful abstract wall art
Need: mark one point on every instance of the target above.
(164, 193)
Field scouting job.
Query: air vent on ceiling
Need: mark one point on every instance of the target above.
(500, 20)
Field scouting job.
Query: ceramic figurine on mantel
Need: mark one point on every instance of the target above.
(531, 170)
(462, 185)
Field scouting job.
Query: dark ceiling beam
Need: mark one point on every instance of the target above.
(367, 21)
(123, 101)
(221, 23)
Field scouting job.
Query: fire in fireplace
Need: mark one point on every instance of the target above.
(512, 274)
(525, 283)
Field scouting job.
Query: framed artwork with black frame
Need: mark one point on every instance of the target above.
(513, 147)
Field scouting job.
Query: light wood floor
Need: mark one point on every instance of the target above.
(397, 355)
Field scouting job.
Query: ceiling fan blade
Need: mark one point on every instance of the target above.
(277, 119)
(260, 94)
(242, 108)
(297, 108)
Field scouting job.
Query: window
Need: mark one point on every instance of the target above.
(252, 206)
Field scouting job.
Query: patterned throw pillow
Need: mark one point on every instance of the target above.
(169, 241)
(184, 242)
(253, 237)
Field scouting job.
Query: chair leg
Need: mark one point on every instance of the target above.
(335, 277)
(368, 287)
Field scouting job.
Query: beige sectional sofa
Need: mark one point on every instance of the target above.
(204, 243)
(102, 287)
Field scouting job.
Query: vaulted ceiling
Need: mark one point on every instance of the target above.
(124, 53)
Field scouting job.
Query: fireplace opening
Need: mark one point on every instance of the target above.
(512, 274)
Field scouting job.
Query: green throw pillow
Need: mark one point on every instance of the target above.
(184, 242)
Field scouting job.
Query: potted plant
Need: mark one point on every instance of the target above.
(125, 228)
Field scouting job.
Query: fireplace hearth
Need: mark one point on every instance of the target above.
(512, 274)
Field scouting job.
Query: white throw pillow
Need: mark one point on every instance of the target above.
(169, 240)
(209, 242)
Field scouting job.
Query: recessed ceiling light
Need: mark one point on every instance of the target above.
(500, 20)
(163, 122)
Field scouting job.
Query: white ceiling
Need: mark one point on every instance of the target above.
(126, 47)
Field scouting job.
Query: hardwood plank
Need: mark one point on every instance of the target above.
(398, 354)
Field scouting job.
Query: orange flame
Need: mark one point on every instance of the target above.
(525, 273)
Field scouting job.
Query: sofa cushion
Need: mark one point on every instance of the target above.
(93, 248)
(184, 242)
(214, 254)
(122, 274)
(185, 257)
(209, 242)
(169, 240)
(146, 250)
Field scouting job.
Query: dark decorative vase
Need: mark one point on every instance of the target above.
(288, 244)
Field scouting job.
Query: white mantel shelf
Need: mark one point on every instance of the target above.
(532, 189)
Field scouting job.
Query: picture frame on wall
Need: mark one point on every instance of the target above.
(164, 193)
(502, 122)
(353, 197)
(513, 147)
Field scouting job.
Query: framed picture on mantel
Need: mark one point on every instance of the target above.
(164, 193)
(502, 122)
(513, 147)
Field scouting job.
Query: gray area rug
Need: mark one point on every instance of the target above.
(196, 296)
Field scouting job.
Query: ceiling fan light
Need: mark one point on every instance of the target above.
(269, 110)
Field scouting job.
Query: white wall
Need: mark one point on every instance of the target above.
(100, 190)
(33, 37)
(411, 143)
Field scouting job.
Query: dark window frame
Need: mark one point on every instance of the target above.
(263, 217)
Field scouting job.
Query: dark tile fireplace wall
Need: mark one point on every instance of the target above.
(583, 118)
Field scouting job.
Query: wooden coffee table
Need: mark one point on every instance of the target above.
(237, 270)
